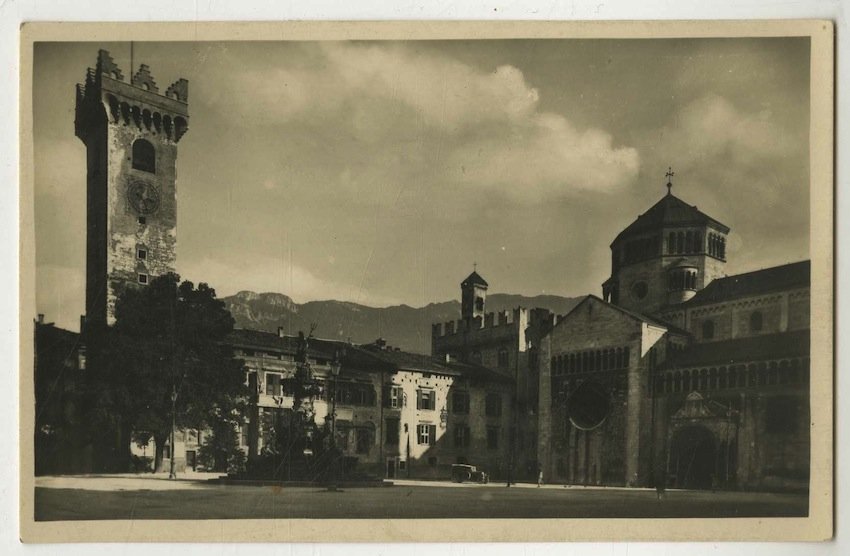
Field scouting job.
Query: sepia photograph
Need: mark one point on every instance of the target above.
(377, 274)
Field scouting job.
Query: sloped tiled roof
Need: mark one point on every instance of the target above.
(742, 350)
(776, 278)
(405, 361)
(669, 211)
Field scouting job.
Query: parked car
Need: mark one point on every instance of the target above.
(461, 473)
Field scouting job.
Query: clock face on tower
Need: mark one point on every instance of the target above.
(143, 197)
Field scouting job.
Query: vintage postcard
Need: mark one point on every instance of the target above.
(344, 282)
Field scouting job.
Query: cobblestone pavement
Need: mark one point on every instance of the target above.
(191, 497)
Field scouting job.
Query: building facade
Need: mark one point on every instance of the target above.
(681, 375)
(398, 414)
(505, 343)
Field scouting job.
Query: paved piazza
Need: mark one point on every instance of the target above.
(155, 497)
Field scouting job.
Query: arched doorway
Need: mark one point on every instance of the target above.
(693, 457)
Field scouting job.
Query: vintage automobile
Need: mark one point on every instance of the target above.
(461, 473)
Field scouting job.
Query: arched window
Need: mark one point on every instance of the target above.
(689, 242)
(708, 329)
(756, 321)
(671, 243)
(698, 246)
(144, 156)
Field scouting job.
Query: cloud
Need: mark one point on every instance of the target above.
(396, 110)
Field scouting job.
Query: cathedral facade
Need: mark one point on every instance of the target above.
(679, 375)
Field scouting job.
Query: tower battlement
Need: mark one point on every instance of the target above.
(498, 319)
(137, 103)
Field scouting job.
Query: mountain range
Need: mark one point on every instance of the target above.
(402, 326)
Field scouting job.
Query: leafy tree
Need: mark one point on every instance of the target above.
(169, 338)
(221, 451)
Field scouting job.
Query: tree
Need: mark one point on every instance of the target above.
(221, 451)
(169, 338)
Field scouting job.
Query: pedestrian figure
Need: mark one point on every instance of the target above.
(660, 485)
(539, 475)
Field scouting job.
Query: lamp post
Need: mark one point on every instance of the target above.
(336, 366)
(171, 473)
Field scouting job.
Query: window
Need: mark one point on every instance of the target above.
(461, 436)
(460, 402)
(479, 303)
(756, 321)
(503, 358)
(143, 278)
(363, 439)
(143, 220)
(142, 254)
(708, 330)
(353, 393)
(492, 438)
(392, 432)
(493, 405)
(273, 382)
(426, 434)
(393, 396)
(426, 399)
(144, 156)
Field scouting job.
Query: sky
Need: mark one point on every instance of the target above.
(380, 172)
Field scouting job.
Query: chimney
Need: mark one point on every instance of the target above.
(280, 332)
(41, 318)
(381, 343)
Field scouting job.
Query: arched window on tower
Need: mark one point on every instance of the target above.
(689, 242)
(144, 156)
(671, 243)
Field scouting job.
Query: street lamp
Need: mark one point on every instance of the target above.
(335, 366)
(171, 473)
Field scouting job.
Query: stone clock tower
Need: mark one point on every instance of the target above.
(131, 131)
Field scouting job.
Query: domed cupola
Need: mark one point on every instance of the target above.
(665, 255)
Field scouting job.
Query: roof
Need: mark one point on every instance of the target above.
(478, 373)
(633, 314)
(474, 279)
(740, 350)
(776, 278)
(669, 211)
(405, 361)
(350, 355)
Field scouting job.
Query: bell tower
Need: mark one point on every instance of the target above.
(131, 131)
(473, 293)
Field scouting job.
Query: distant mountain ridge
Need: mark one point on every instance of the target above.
(408, 328)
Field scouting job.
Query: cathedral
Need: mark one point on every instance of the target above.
(678, 375)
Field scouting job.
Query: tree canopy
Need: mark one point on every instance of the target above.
(168, 337)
